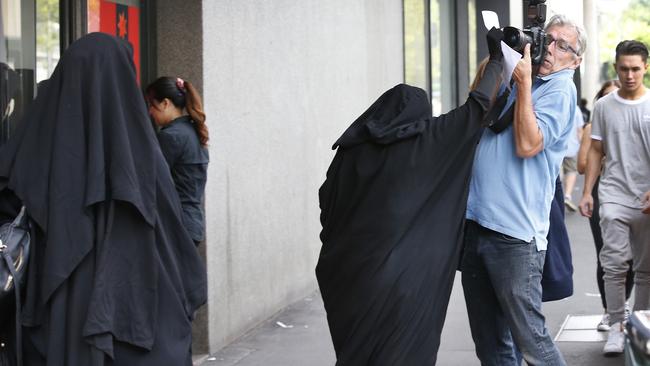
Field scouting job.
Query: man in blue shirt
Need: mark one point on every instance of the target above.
(513, 182)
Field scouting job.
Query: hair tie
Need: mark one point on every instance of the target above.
(180, 84)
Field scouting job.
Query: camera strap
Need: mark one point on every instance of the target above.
(493, 121)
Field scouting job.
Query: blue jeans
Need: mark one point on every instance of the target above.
(503, 293)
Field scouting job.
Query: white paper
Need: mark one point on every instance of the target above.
(490, 19)
(510, 60)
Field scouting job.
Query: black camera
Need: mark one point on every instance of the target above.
(533, 34)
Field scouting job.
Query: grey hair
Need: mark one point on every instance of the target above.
(559, 20)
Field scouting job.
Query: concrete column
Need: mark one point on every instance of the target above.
(590, 79)
(179, 42)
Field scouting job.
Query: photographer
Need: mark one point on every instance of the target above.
(512, 186)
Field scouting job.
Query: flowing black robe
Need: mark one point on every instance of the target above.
(113, 278)
(392, 211)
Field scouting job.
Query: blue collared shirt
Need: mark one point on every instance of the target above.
(513, 195)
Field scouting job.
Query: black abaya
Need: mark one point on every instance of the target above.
(392, 210)
(113, 277)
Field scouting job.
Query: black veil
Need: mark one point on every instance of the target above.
(110, 257)
(392, 211)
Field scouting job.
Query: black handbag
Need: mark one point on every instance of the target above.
(14, 249)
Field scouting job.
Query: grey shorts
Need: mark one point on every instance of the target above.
(570, 165)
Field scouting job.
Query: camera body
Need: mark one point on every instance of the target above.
(533, 34)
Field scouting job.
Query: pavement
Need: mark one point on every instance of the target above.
(298, 335)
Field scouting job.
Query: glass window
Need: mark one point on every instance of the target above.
(436, 53)
(47, 38)
(471, 32)
(29, 51)
(17, 62)
(443, 55)
(430, 50)
(415, 44)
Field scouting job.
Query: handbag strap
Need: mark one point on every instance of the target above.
(12, 270)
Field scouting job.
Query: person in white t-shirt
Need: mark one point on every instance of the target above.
(621, 133)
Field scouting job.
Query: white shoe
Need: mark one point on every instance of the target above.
(615, 340)
(569, 204)
(603, 326)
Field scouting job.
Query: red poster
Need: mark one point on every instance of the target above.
(119, 20)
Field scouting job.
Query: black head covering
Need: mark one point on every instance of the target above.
(83, 142)
(392, 210)
(86, 164)
(397, 114)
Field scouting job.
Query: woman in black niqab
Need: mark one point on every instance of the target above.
(392, 210)
(113, 278)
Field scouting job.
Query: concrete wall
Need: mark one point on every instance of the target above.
(281, 80)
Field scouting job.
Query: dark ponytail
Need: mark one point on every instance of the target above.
(183, 95)
(606, 85)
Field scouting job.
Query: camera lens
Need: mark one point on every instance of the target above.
(515, 38)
